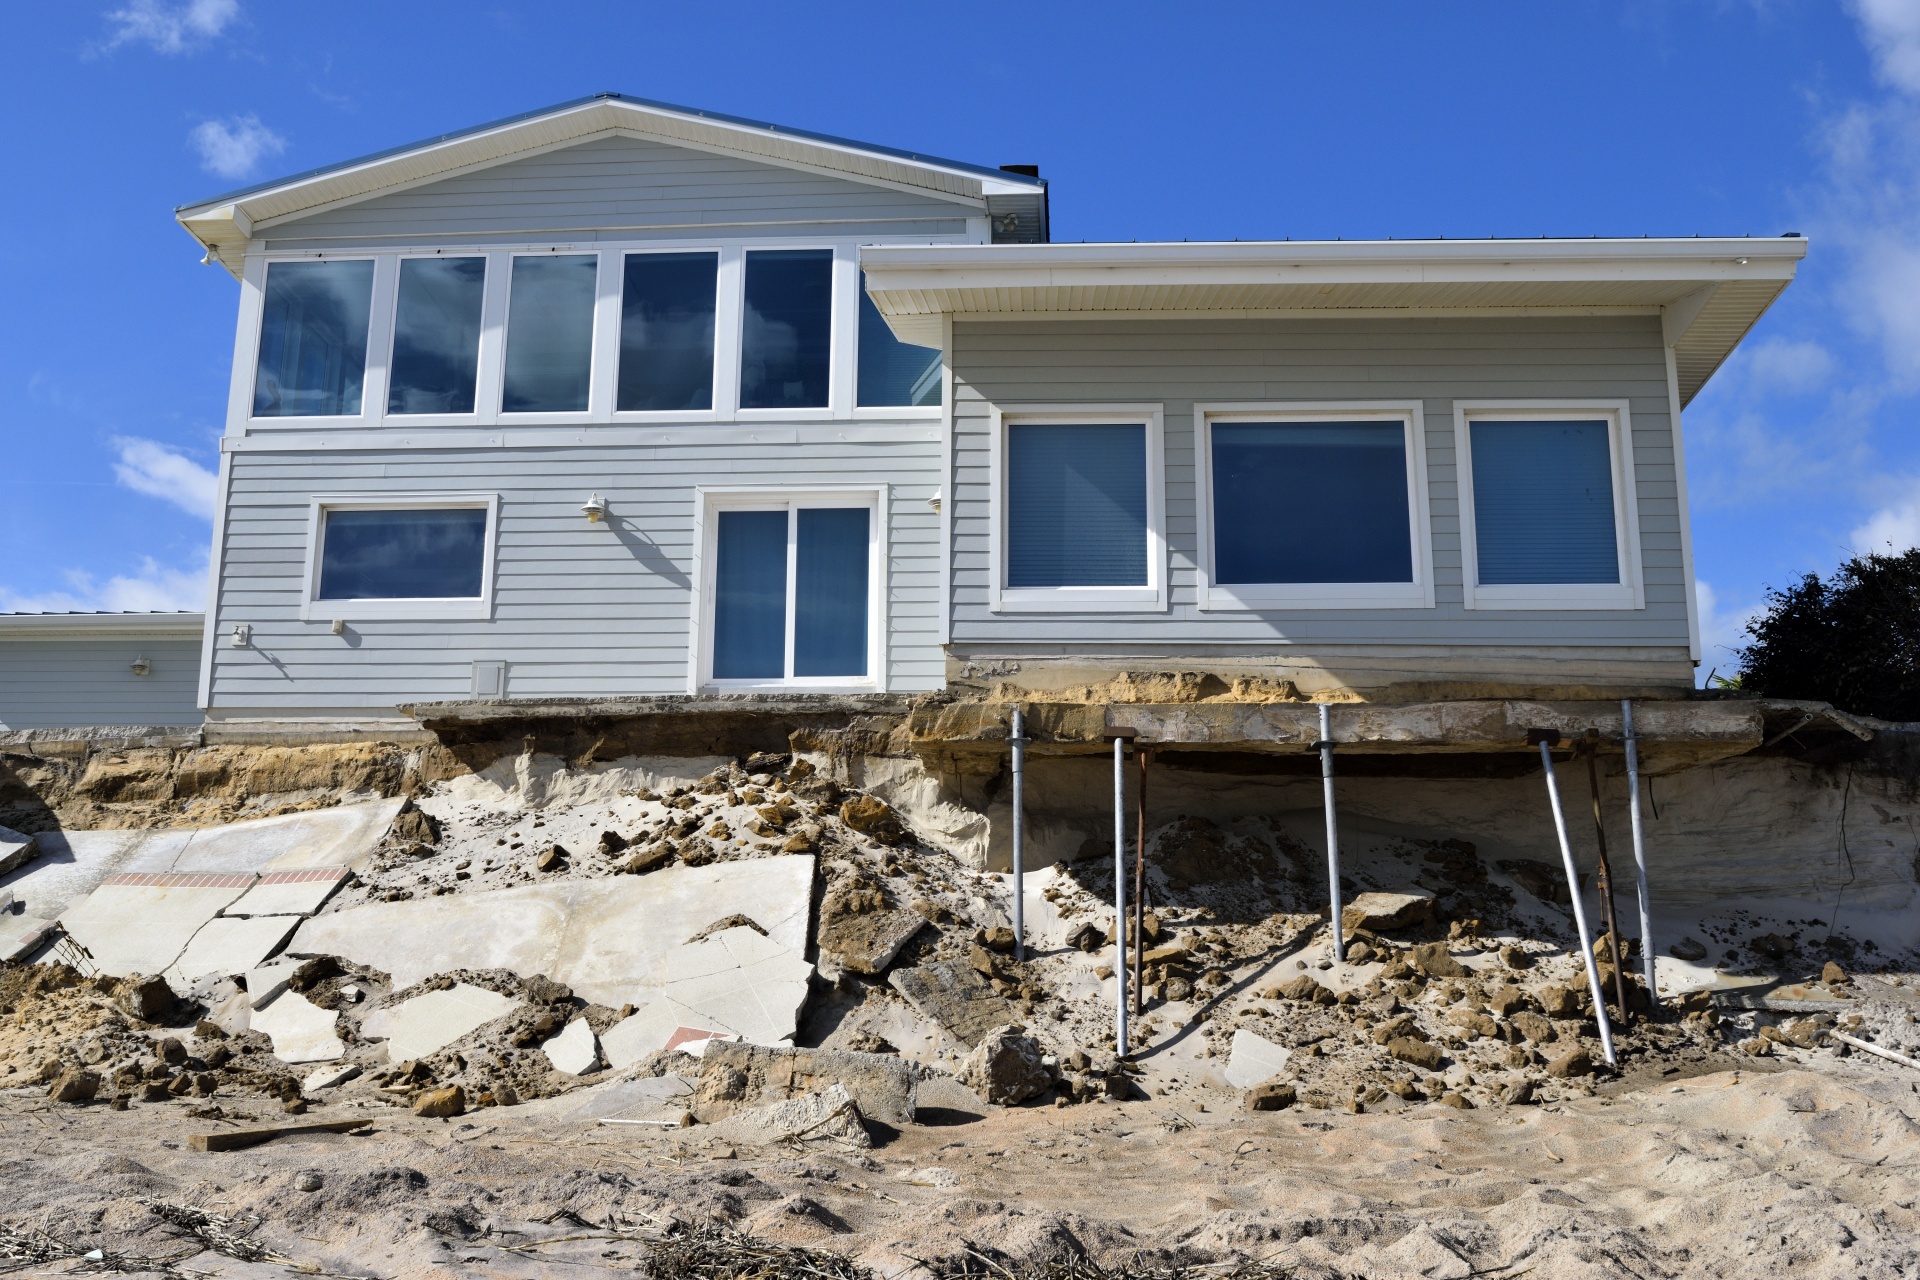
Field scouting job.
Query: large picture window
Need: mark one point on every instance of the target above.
(1547, 509)
(411, 557)
(792, 596)
(313, 339)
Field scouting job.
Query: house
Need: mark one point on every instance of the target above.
(620, 399)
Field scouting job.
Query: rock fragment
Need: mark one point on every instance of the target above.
(1435, 961)
(75, 1085)
(1417, 1053)
(1374, 910)
(950, 993)
(436, 1104)
(1688, 949)
(1005, 1068)
(872, 817)
(1572, 1063)
(146, 997)
(1273, 1095)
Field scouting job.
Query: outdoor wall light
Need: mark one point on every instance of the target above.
(595, 509)
(141, 666)
(242, 635)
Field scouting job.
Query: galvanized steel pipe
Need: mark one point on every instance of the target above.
(1639, 848)
(1333, 831)
(1120, 896)
(1019, 743)
(1579, 911)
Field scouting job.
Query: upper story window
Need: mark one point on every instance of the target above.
(436, 335)
(622, 333)
(786, 337)
(1547, 510)
(1078, 511)
(1313, 507)
(313, 339)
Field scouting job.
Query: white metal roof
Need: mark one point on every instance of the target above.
(1710, 291)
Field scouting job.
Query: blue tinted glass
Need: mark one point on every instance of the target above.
(666, 331)
(788, 330)
(436, 335)
(750, 596)
(1310, 502)
(403, 555)
(549, 334)
(893, 372)
(1076, 506)
(1543, 503)
(830, 592)
(313, 339)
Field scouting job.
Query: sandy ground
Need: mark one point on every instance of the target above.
(1809, 1172)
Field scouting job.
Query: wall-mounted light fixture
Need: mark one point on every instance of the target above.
(242, 635)
(934, 502)
(595, 509)
(141, 666)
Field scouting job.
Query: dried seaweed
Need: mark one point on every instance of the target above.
(713, 1252)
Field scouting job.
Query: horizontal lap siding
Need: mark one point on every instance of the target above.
(1433, 361)
(624, 183)
(579, 610)
(69, 682)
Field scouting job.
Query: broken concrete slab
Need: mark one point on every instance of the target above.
(16, 850)
(342, 836)
(870, 944)
(738, 1076)
(1006, 1067)
(266, 981)
(1376, 910)
(21, 935)
(329, 1076)
(648, 1098)
(747, 983)
(432, 1021)
(300, 1031)
(227, 945)
(1254, 1060)
(830, 1115)
(141, 922)
(607, 939)
(289, 893)
(663, 1024)
(953, 995)
(575, 1050)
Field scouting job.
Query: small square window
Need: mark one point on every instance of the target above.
(1543, 503)
(313, 339)
(793, 593)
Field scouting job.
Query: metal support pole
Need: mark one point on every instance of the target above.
(1019, 744)
(1614, 943)
(1120, 896)
(1579, 911)
(1639, 849)
(1140, 881)
(1333, 832)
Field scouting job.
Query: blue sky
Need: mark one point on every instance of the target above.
(1152, 121)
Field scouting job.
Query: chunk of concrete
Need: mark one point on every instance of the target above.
(289, 893)
(746, 983)
(141, 922)
(735, 1076)
(575, 1050)
(266, 981)
(1254, 1060)
(828, 1116)
(16, 850)
(227, 945)
(663, 1024)
(950, 993)
(647, 1098)
(22, 935)
(300, 1031)
(431, 1021)
(608, 939)
(342, 836)
(1387, 910)
(1006, 1067)
(870, 943)
(329, 1077)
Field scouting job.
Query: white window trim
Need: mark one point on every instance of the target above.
(729, 321)
(313, 609)
(1417, 594)
(1151, 598)
(1630, 592)
(708, 502)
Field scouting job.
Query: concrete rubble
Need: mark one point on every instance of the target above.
(575, 1051)
(16, 850)
(429, 1022)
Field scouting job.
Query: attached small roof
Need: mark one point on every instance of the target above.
(1710, 292)
(228, 220)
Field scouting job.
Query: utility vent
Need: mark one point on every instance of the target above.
(1018, 219)
(489, 679)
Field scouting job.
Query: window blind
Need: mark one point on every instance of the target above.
(1300, 502)
(750, 596)
(830, 591)
(1076, 505)
(1543, 503)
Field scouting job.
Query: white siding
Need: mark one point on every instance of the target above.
(69, 682)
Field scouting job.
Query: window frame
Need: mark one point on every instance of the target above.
(728, 281)
(373, 378)
(1243, 597)
(709, 501)
(1151, 598)
(391, 323)
(1630, 591)
(603, 346)
(314, 609)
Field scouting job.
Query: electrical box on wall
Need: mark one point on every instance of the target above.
(489, 679)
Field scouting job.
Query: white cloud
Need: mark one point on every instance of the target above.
(1890, 530)
(153, 587)
(1781, 364)
(1723, 630)
(232, 147)
(171, 28)
(148, 467)
(1891, 29)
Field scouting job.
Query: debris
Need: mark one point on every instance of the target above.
(308, 1180)
(1271, 1095)
(1419, 1053)
(237, 1139)
(1574, 1062)
(871, 817)
(301, 1031)
(735, 1076)
(437, 1104)
(744, 981)
(16, 850)
(75, 1085)
(830, 1114)
(663, 1024)
(650, 859)
(139, 922)
(1518, 1094)
(329, 1077)
(1833, 975)
(575, 1050)
(268, 981)
(146, 997)
(227, 944)
(429, 1022)
(1516, 957)
(1435, 961)
(1254, 1059)
(1005, 1068)
(1875, 1049)
(552, 858)
(1543, 880)
(1383, 911)
(950, 993)
(868, 944)
(1688, 949)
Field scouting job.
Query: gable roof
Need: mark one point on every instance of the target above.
(228, 221)
(1708, 292)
